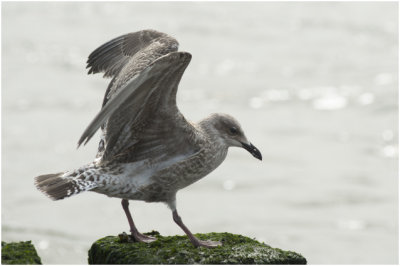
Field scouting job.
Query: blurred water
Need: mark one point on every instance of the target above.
(313, 84)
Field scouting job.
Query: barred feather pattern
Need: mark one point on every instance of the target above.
(66, 184)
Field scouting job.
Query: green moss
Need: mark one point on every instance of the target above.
(236, 249)
(19, 253)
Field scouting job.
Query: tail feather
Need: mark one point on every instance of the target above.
(41, 178)
(58, 186)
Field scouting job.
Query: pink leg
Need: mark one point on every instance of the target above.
(134, 232)
(196, 242)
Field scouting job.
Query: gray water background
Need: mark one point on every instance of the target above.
(314, 86)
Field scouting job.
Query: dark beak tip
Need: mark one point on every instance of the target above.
(253, 150)
(258, 155)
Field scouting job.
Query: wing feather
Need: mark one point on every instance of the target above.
(149, 93)
(139, 117)
(112, 56)
(123, 57)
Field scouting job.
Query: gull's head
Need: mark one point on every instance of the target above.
(228, 131)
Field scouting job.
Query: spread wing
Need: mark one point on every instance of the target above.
(141, 119)
(111, 57)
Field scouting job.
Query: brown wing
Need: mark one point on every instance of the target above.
(142, 119)
(124, 57)
(113, 55)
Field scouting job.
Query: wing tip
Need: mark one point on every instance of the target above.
(83, 139)
(94, 61)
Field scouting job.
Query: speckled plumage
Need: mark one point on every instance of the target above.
(148, 150)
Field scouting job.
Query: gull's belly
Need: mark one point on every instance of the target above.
(152, 184)
(187, 172)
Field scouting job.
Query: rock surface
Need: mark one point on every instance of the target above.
(236, 249)
(19, 253)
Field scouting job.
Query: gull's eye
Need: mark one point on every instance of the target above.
(233, 130)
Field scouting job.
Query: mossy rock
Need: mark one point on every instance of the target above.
(19, 253)
(235, 249)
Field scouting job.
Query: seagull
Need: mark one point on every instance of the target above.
(148, 151)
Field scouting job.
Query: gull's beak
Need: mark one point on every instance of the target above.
(253, 150)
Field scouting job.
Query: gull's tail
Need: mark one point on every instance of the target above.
(62, 185)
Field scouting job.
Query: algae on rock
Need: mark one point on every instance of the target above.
(19, 253)
(236, 249)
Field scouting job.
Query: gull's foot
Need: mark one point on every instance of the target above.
(207, 243)
(138, 237)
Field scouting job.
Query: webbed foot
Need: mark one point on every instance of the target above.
(138, 237)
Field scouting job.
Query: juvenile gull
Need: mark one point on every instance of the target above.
(148, 150)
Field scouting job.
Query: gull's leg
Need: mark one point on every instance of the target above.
(134, 232)
(196, 242)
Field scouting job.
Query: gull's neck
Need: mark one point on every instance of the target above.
(210, 132)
